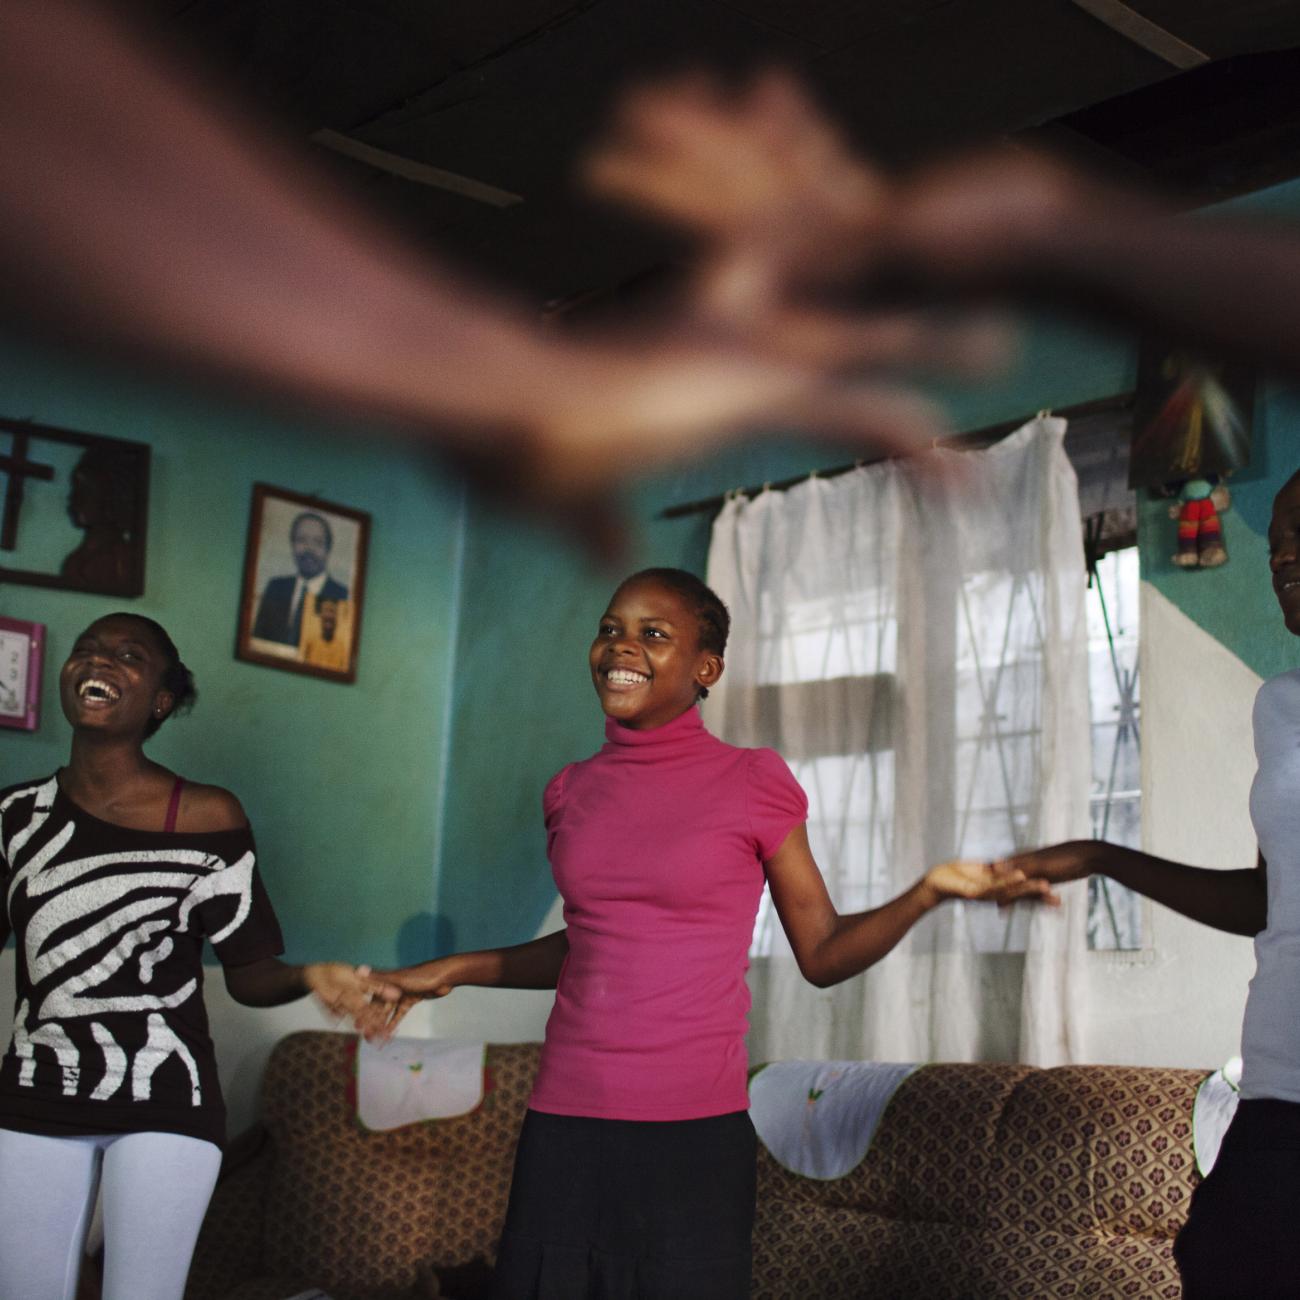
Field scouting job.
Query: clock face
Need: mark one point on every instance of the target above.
(15, 649)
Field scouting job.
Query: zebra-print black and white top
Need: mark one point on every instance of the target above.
(110, 1032)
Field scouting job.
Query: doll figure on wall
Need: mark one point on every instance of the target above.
(1192, 421)
(1200, 532)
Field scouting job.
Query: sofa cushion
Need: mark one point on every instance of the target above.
(997, 1181)
(931, 1154)
(1096, 1149)
(229, 1248)
(994, 1181)
(840, 1255)
(357, 1211)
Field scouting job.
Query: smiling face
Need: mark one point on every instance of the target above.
(1284, 552)
(112, 680)
(311, 543)
(646, 661)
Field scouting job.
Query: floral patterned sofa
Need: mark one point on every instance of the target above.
(982, 1181)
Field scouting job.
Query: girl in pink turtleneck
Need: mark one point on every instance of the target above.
(635, 1169)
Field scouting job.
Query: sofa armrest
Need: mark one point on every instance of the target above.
(229, 1249)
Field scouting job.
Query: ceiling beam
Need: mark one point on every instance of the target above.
(409, 169)
(1142, 31)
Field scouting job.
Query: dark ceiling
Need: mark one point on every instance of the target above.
(1200, 93)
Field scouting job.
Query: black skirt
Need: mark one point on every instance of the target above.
(604, 1209)
(1242, 1235)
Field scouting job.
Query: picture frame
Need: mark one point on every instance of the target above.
(1192, 416)
(74, 513)
(304, 584)
(22, 658)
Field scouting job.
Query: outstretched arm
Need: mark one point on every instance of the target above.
(780, 204)
(168, 217)
(831, 948)
(532, 965)
(141, 211)
(1017, 226)
(341, 989)
(1235, 901)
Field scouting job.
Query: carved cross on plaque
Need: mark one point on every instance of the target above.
(17, 467)
(104, 485)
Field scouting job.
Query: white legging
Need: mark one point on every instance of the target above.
(156, 1188)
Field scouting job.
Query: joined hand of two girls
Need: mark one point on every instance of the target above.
(353, 991)
(999, 882)
(378, 1021)
(1056, 863)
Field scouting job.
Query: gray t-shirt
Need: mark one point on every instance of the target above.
(1270, 1037)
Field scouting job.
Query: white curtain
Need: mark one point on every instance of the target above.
(918, 654)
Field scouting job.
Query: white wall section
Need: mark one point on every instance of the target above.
(1181, 1002)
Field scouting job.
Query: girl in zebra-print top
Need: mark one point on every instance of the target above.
(114, 872)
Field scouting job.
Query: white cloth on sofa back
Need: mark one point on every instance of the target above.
(409, 1080)
(1216, 1104)
(817, 1118)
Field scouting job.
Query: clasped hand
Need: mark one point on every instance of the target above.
(378, 1018)
(343, 991)
(1000, 882)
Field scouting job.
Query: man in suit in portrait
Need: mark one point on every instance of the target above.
(279, 612)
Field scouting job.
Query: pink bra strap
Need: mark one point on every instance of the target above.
(173, 804)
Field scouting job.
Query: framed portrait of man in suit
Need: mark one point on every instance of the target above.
(304, 584)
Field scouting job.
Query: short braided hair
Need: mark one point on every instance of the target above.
(711, 614)
(176, 678)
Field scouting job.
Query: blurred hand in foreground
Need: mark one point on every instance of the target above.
(182, 230)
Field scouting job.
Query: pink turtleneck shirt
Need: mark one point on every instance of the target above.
(657, 844)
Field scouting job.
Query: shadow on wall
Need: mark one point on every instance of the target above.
(424, 936)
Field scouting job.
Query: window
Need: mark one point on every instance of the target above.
(1114, 912)
(847, 761)
(997, 699)
(827, 701)
(842, 694)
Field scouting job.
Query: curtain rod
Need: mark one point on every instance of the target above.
(973, 440)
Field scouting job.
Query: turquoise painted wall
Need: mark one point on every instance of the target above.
(523, 699)
(1235, 603)
(341, 783)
